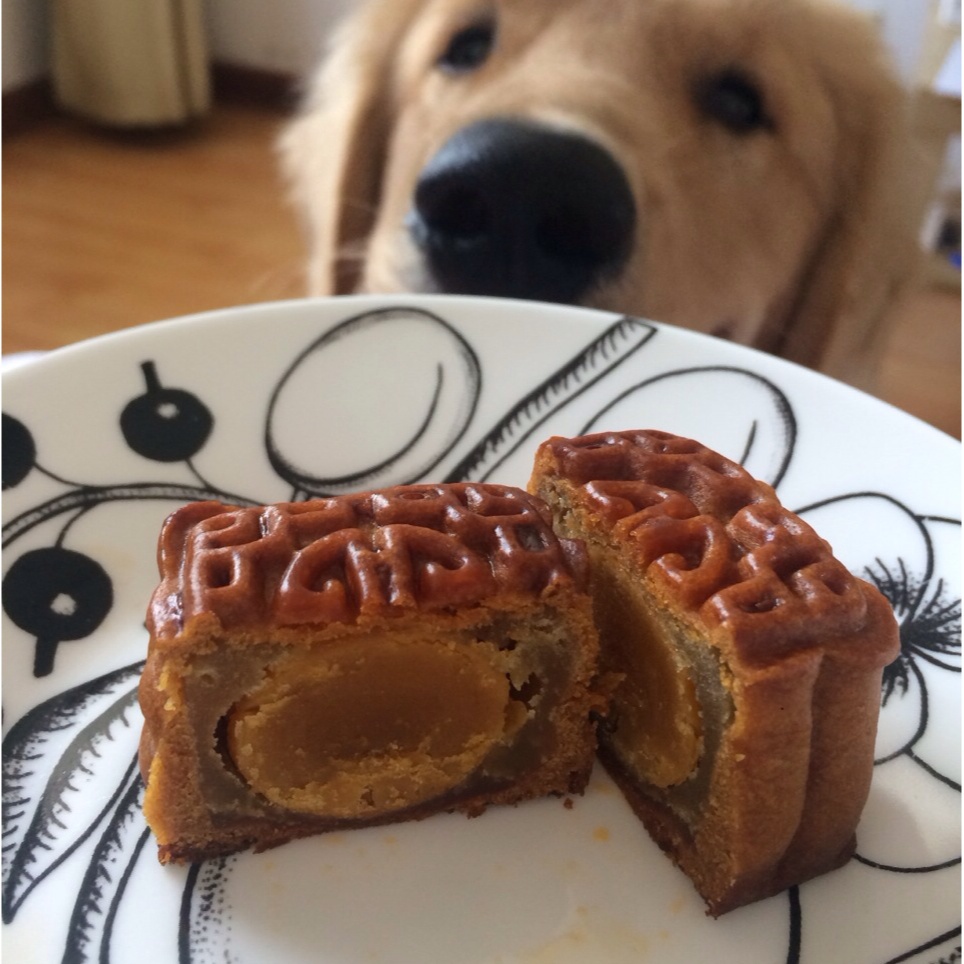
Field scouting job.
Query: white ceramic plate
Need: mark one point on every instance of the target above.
(280, 401)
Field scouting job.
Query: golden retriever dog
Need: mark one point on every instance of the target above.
(729, 166)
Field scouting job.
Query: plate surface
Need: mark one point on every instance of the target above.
(102, 440)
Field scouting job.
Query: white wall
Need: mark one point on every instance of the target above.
(285, 36)
(24, 42)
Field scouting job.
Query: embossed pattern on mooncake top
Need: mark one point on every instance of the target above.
(425, 547)
(721, 539)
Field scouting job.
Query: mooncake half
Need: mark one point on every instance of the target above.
(362, 659)
(742, 732)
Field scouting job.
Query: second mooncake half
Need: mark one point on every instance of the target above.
(362, 659)
(742, 729)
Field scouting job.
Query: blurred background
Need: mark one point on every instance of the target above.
(146, 186)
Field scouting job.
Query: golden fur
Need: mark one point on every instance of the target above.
(790, 239)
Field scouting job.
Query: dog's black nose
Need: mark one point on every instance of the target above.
(514, 209)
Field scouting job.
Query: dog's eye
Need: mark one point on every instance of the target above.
(734, 100)
(468, 48)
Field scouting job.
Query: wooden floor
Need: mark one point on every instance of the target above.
(105, 230)
(102, 231)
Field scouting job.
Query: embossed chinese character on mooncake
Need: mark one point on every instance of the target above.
(362, 659)
(742, 732)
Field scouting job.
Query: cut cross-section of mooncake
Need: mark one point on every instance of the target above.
(742, 732)
(362, 659)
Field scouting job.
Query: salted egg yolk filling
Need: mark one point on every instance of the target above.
(371, 725)
(657, 725)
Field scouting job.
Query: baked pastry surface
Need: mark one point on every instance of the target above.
(362, 659)
(742, 732)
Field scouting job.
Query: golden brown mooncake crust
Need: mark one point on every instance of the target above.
(782, 645)
(260, 607)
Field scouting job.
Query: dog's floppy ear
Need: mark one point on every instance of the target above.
(868, 252)
(333, 152)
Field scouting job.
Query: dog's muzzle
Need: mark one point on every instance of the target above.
(516, 209)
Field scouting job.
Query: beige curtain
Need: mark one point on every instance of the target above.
(130, 62)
